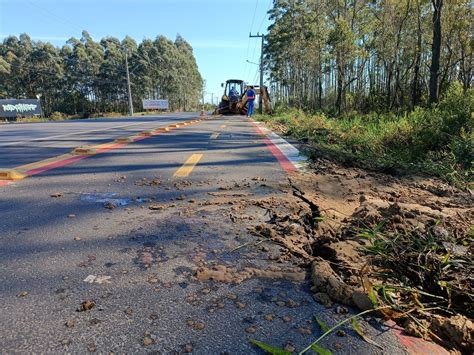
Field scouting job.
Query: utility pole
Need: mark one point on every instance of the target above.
(130, 103)
(258, 35)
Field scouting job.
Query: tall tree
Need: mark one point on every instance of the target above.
(368, 55)
(435, 50)
(88, 77)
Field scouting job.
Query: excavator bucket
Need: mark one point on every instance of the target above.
(267, 104)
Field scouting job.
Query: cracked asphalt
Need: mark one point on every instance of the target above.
(142, 239)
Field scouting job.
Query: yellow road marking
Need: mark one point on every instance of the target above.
(104, 146)
(188, 167)
(45, 162)
(11, 174)
(18, 172)
(84, 151)
(222, 126)
(123, 140)
(214, 135)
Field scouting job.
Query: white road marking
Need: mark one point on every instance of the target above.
(291, 152)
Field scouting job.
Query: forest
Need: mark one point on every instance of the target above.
(368, 55)
(382, 84)
(86, 77)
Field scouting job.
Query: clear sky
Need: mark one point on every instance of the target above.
(218, 30)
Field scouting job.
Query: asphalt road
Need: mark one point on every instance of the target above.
(141, 263)
(30, 142)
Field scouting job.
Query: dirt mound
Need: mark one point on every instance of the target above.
(374, 240)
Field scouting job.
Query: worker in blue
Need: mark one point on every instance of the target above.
(250, 101)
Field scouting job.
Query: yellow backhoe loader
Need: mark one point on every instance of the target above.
(234, 99)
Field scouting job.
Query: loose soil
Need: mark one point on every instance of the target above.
(374, 240)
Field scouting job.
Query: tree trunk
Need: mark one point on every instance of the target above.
(320, 82)
(435, 51)
(416, 88)
(340, 82)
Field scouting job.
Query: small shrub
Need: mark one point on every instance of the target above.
(463, 149)
(56, 116)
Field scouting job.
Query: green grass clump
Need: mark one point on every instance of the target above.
(435, 267)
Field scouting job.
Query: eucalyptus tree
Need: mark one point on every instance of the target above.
(86, 77)
(343, 55)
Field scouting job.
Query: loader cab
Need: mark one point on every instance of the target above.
(234, 89)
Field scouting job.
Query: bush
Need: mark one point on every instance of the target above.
(56, 116)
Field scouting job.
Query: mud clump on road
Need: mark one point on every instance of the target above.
(228, 275)
(86, 305)
(374, 240)
(148, 182)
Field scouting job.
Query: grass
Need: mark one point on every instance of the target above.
(423, 270)
(314, 346)
(437, 141)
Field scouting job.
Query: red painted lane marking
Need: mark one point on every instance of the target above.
(413, 345)
(285, 163)
(5, 182)
(68, 161)
(56, 164)
(111, 147)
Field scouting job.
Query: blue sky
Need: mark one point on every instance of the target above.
(218, 30)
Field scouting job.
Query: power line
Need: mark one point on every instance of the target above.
(68, 24)
(265, 16)
(64, 21)
(248, 41)
(255, 77)
(254, 13)
(261, 24)
(254, 49)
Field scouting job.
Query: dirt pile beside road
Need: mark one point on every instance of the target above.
(374, 241)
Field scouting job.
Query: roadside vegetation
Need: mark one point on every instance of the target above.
(438, 141)
(366, 56)
(385, 85)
